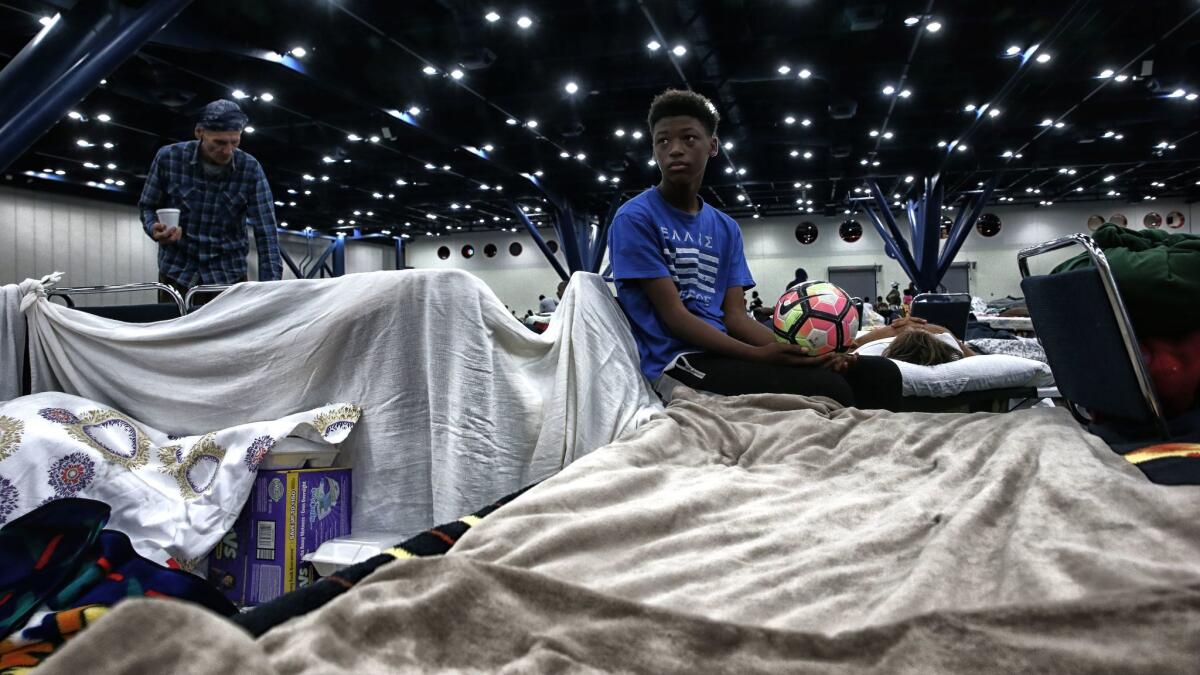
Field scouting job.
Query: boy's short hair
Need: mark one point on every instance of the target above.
(678, 102)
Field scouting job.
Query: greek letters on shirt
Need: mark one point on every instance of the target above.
(693, 261)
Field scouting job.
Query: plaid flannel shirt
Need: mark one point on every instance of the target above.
(214, 213)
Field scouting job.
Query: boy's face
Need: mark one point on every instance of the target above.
(682, 148)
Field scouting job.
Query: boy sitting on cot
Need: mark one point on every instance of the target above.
(681, 273)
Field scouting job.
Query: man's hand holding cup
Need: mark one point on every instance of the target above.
(166, 231)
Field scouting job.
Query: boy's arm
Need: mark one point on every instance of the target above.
(664, 296)
(739, 324)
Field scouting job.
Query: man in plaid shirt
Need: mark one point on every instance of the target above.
(219, 190)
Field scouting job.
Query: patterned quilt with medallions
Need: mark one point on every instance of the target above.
(174, 497)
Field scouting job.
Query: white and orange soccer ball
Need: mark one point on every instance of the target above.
(816, 315)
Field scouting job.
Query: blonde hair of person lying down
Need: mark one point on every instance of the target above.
(914, 341)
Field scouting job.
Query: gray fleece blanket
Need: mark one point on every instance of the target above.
(761, 534)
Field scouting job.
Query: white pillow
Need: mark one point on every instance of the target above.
(975, 373)
(173, 497)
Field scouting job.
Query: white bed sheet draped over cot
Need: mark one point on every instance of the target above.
(461, 403)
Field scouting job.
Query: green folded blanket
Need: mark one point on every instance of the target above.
(1158, 274)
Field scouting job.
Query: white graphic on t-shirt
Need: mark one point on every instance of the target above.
(693, 268)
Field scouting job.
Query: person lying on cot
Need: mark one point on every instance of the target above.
(681, 274)
(915, 340)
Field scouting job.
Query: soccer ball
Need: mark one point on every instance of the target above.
(816, 315)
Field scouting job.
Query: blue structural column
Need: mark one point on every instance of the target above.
(339, 256)
(923, 263)
(541, 243)
(401, 257)
(56, 82)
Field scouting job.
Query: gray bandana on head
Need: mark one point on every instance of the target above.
(222, 115)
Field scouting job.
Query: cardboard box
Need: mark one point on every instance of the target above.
(289, 514)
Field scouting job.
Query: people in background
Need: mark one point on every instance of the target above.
(562, 288)
(883, 309)
(893, 296)
(917, 341)
(681, 276)
(800, 276)
(219, 191)
(546, 305)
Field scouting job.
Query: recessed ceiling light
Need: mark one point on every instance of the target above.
(488, 147)
(511, 122)
(104, 117)
(1007, 153)
(619, 133)
(249, 129)
(1192, 96)
(445, 167)
(571, 87)
(524, 22)
(906, 93)
(108, 145)
(239, 94)
(887, 135)
(602, 178)
(429, 70)
(414, 111)
(1178, 93)
(789, 120)
(912, 21)
(75, 115)
(1013, 50)
(728, 145)
(784, 69)
(962, 147)
(741, 198)
(492, 17)
(650, 162)
(679, 50)
(653, 45)
(1121, 78)
(456, 74)
(326, 178)
(808, 155)
(908, 179)
(399, 181)
(48, 20)
(1110, 178)
(638, 134)
(564, 154)
(532, 124)
(864, 163)
(1046, 122)
(353, 138)
(267, 96)
(90, 165)
(933, 26)
(794, 153)
(1059, 125)
(994, 112)
(941, 144)
(299, 52)
(581, 156)
(538, 173)
(970, 107)
(1044, 57)
(742, 172)
(729, 169)
(1106, 73)
(873, 133)
(805, 122)
(888, 90)
(804, 74)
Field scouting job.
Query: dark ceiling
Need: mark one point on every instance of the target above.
(1131, 134)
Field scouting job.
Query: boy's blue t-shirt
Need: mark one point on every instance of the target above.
(701, 253)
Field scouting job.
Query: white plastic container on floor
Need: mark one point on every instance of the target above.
(335, 554)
